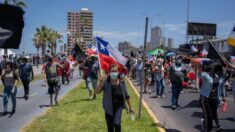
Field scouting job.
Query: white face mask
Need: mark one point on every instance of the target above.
(114, 75)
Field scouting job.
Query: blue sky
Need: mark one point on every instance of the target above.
(123, 20)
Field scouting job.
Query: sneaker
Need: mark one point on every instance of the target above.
(13, 112)
(56, 102)
(51, 104)
(158, 96)
(26, 97)
(163, 96)
(173, 107)
(90, 97)
(94, 97)
(219, 128)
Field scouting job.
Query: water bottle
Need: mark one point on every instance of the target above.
(132, 115)
(224, 107)
(202, 122)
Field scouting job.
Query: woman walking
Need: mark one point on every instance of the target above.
(209, 97)
(115, 95)
(10, 77)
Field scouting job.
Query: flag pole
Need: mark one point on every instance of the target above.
(98, 57)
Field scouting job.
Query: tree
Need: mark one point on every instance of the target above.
(41, 38)
(47, 37)
(37, 43)
(54, 37)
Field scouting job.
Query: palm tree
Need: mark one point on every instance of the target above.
(54, 37)
(41, 38)
(37, 42)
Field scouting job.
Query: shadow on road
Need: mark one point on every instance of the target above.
(75, 101)
(229, 119)
(2, 114)
(166, 107)
(41, 106)
(197, 114)
(172, 130)
(192, 104)
(198, 127)
(20, 97)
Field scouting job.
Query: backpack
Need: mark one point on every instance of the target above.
(51, 71)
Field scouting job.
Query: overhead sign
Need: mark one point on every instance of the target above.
(201, 29)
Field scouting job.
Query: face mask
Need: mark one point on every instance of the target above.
(114, 75)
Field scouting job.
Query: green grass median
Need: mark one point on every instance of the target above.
(76, 113)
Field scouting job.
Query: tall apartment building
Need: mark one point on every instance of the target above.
(170, 43)
(80, 28)
(156, 37)
(86, 27)
(73, 28)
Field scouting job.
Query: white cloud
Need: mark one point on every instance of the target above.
(123, 36)
(179, 28)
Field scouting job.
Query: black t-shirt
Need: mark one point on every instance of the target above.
(117, 96)
(215, 85)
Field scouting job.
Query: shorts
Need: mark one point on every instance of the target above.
(148, 78)
(53, 87)
(91, 83)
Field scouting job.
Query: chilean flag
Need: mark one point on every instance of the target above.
(109, 55)
(91, 50)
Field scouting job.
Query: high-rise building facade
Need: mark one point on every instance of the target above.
(73, 28)
(156, 37)
(80, 28)
(86, 27)
(170, 43)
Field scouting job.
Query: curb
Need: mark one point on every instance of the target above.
(150, 112)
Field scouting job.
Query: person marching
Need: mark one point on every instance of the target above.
(176, 78)
(114, 97)
(52, 79)
(10, 77)
(209, 97)
(159, 78)
(92, 76)
(147, 80)
(26, 75)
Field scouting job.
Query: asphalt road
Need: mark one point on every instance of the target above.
(186, 118)
(26, 111)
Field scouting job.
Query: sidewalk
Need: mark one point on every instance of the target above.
(187, 117)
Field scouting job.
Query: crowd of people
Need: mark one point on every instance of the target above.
(55, 70)
(179, 72)
(213, 78)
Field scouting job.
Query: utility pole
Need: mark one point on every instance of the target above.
(187, 22)
(143, 62)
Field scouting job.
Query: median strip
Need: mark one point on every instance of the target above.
(77, 113)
